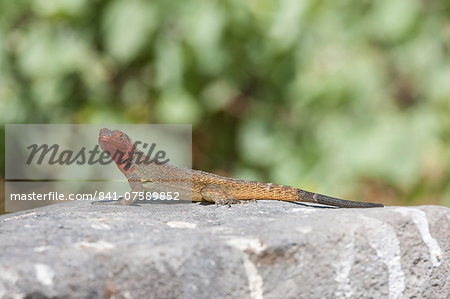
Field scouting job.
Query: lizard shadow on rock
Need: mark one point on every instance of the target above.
(201, 203)
(106, 202)
(207, 203)
(159, 201)
(137, 203)
(312, 206)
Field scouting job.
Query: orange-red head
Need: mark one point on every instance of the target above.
(119, 146)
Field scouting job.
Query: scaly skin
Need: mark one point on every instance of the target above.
(198, 185)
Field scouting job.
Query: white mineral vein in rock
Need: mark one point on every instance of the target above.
(44, 274)
(255, 281)
(100, 226)
(99, 245)
(383, 239)
(20, 216)
(179, 224)
(8, 277)
(420, 220)
(344, 266)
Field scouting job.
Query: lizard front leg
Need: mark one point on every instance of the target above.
(136, 186)
(218, 194)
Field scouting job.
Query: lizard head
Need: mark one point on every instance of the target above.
(119, 147)
(114, 140)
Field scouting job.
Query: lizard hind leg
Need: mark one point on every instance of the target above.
(218, 194)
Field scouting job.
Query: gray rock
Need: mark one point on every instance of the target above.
(256, 250)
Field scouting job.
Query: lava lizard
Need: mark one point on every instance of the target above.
(202, 185)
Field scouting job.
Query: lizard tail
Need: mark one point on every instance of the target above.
(306, 196)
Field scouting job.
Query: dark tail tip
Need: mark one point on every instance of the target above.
(369, 205)
(332, 201)
(355, 204)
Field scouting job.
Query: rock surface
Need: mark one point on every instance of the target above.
(256, 250)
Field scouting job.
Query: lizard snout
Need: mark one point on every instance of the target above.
(105, 132)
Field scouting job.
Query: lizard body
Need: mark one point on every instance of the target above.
(203, 186)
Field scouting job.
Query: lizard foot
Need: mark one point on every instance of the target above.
(227, 201)
(218, 195)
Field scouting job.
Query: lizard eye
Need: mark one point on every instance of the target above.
(121, 136)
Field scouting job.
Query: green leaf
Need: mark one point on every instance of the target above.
(178, 106)
(128, 25)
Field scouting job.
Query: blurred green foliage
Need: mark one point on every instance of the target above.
(350, 98)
